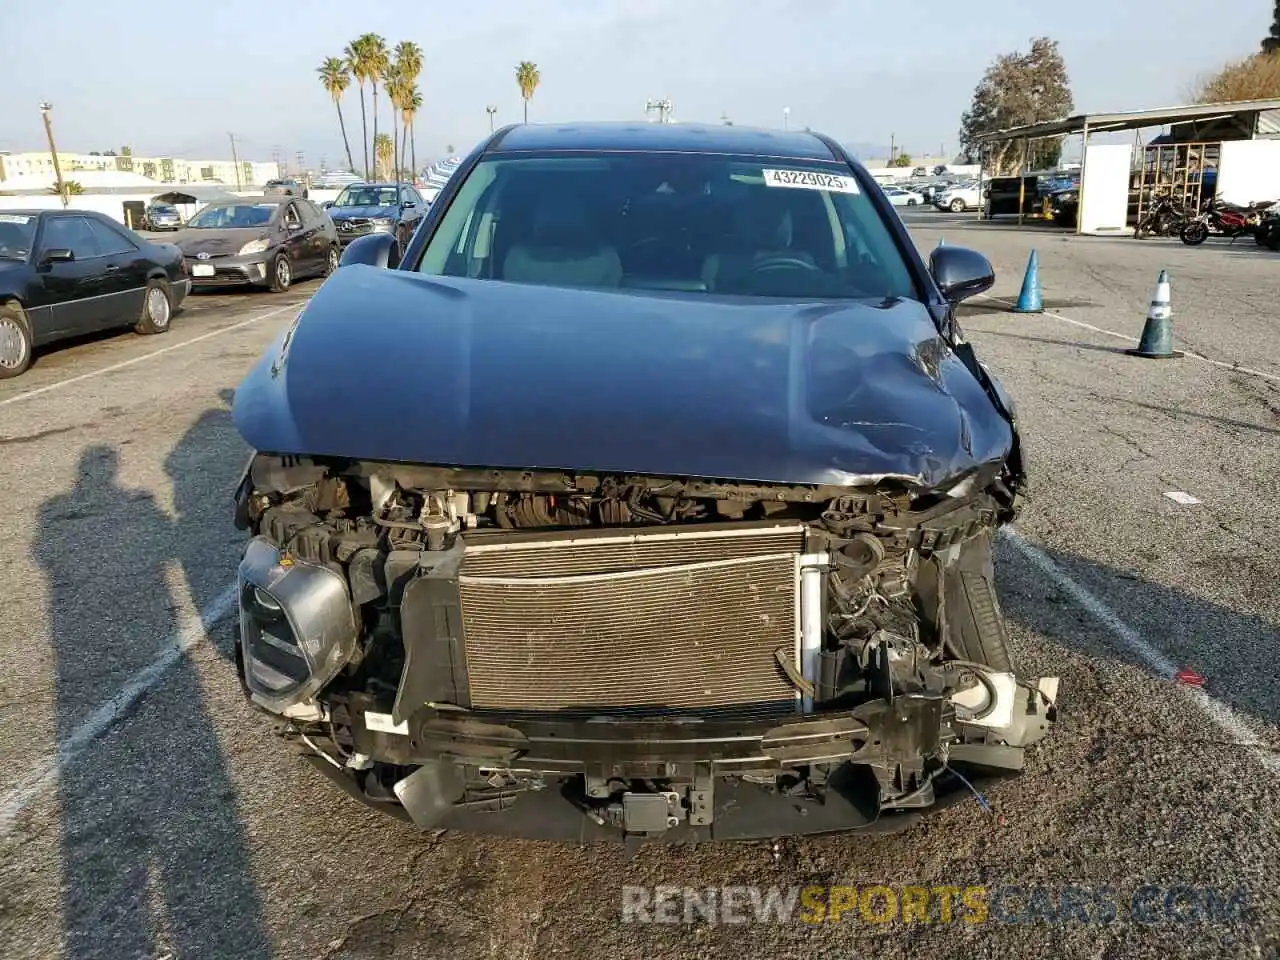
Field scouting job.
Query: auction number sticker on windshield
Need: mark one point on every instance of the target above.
(13, 218)
(810, 180)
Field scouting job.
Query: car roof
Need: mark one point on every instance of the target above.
(254, 200)
(379, 183)
(33, 213)
(678, 137)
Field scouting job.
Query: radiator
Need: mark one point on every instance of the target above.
(651, 623)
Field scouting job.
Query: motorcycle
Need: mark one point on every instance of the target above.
(1267, 232)
(1164, 218)
(1224, 220)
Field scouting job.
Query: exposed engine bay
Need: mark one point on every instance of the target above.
(572, 654)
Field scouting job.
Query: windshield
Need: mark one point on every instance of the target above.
(163, 208)
(366, 197)
(681, 222)
(233, 215)
(17, 231)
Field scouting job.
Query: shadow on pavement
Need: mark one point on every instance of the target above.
(203, 468)
(1049, 340)
(155, 860)
(1233, 650)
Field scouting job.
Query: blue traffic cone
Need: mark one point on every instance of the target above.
(1029, 298)
(1157, 333)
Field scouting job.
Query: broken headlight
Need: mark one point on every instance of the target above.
(297, 626)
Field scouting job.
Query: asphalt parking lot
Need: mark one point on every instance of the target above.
(146, 811)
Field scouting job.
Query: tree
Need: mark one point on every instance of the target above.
(527, 76)
(901, 160)
(1256, 77)
(357, 56)
(379, 63)
(73, 188)
(413, 103)
(393, 83)
(1271, 43)
(409, 65)
(383, 152)
(1019, 89)
(336, 77)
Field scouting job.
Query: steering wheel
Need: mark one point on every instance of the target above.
(782, 261)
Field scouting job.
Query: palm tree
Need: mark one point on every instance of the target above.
(379, 63)
(393, 84)
(409, 64)
(357, 56)
(383, 150)
(527, 76)
(410, 108)
(336, 77)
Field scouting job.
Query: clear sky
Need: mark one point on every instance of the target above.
(174, 78)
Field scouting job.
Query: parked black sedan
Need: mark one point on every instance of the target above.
(68, 272)
(259, 241)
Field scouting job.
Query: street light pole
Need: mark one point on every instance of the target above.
(491, 110)
(45, 108)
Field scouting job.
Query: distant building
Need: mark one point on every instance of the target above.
(34, 170)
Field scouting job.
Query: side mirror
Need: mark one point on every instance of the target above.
(961, 273)
(326, 205)
(58, 255)
(374, 250)
(408, 205)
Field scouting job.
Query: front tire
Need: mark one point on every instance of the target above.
(331, 261)
(281, 273)
(157, 309)
(957, 206)
(15, 341)
(1194, 234)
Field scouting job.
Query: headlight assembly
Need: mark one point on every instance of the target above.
(382, 223)
(254, 246)
(297, 626)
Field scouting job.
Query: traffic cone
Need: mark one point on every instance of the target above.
(1029, 299)
(1157, 333)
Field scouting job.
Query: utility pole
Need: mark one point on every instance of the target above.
(663, 107)
(491, 110)
(45, 108)
(235, 161)
(892, 148)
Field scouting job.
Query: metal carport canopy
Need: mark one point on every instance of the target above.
(1132, 120)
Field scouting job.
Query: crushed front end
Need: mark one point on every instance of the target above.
(578, 655)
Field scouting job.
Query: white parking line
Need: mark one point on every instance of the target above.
(1226, 719)
(1124, 336)
(147, 356)
(48, 769)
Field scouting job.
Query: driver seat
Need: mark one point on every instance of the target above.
(763, 229)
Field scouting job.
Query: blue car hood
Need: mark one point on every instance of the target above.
(393, 365)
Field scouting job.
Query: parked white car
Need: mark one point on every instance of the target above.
(902, 198)
(961, 197)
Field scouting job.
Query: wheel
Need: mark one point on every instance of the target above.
(331, 262)
(281, 273)
(1195, 233)
(911, 203)
(957, 205)
(15, 340)
(157, 308)
(977, 628)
